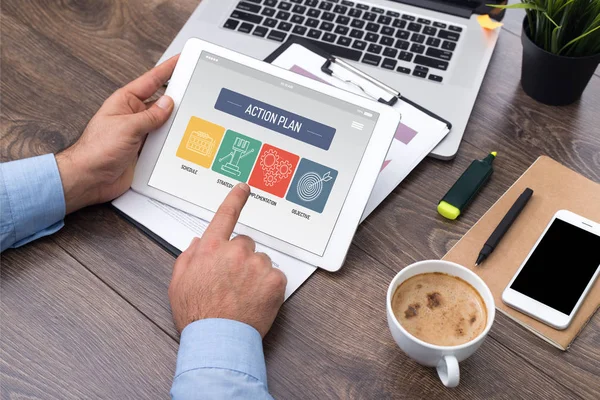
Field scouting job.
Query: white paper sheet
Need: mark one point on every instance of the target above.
(179, 228)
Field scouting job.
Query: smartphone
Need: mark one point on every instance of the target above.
(559, 271)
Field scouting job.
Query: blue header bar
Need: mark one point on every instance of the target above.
(276, 119)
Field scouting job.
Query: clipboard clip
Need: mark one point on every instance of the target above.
(326, 68)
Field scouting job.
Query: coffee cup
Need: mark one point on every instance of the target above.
(444, 358)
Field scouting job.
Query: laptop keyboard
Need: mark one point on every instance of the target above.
(405, 43)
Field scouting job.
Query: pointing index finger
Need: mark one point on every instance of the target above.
(222, 225)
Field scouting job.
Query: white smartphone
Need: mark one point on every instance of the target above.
(559, 271)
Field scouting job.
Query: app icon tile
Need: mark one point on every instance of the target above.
(312, 185)
(274, 170)
(200, 142)
(236, 156)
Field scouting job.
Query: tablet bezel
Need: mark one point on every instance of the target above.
(357, 197)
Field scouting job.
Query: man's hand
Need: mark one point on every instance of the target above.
(221, 278)
(99, 166)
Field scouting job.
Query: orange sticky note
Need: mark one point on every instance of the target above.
(487, 23)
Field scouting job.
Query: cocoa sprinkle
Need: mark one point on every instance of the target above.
(434, 300)
(411, 311)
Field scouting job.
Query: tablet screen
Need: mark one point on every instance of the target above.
(298, 149)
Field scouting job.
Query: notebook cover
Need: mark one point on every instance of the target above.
(555, 187)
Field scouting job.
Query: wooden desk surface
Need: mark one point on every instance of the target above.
(85, 312)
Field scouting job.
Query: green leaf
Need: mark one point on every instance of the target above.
(527, 6)
(555, 24)
(577, 38)
(564, 5)
(554, 42)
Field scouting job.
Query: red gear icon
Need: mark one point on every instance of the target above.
(273, 166)
(269, 159)
(284, 169)
(274, 170)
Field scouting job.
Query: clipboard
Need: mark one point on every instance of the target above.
(332, 61)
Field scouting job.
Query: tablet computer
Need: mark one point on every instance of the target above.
(310, 152)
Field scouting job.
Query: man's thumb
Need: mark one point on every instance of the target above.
(152, 118)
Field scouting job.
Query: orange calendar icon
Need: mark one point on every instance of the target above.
(200, 142)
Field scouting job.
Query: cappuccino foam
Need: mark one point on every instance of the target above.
(440, 309)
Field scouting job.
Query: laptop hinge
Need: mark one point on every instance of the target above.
(446, 7)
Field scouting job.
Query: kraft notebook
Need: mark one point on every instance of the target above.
(555, 187)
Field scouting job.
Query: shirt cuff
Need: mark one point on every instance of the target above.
(35, 197)
(221, 343)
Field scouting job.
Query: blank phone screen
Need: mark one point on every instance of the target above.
(560, 267)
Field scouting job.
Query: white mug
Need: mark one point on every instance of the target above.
(444, 358)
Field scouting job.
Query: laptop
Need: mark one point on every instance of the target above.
(432, 51)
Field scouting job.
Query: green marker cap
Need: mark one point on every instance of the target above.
(466, 187)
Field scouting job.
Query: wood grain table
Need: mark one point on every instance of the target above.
(85, 312)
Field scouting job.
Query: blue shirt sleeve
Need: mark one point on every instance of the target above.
(32, 201)
(220, 359)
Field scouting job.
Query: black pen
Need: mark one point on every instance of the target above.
(504, 225)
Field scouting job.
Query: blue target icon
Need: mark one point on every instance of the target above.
(311, 185)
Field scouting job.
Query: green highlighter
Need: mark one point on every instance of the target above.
(466, 187)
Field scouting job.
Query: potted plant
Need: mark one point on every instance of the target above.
(561, 48)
